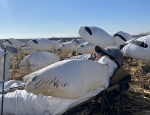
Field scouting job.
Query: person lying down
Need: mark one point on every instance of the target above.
(37, 98)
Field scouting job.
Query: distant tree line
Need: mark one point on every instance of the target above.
(142, 34)
(70, 38)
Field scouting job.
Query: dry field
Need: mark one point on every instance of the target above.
(136, 100)
(138, 96)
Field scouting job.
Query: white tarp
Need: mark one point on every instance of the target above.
(20, 102)
(11, 84)
(69, 79)
(96, 36)
(138, 52)
(36, 61)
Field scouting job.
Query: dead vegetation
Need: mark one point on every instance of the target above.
(136, 100)
(138, 96)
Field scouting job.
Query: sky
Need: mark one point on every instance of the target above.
(63, 18)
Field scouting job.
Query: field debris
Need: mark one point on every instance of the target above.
(137, 98)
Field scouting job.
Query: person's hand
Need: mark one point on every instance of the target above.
(92, 57)
(95, 57)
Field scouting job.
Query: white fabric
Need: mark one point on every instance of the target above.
(119, 41)
(67, 47)
(42, 44)
(137, 52)
(68, 79)
(10, 84)
(36, 61)
(20, 102)
(15, 43)
(13, 83)
(85, 48)
(99, 37)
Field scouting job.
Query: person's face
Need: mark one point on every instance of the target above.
(98, 56)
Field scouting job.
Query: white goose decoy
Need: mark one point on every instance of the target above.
(121, 37)
(13, 43)
(85, 48)
(36, 61)
(28, 50)
(78, 42)
(96, 36)
(41, 44)
(138, 48)
(58, 43)
(67, 47)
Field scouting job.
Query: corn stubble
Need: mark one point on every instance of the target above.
(136, 100)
